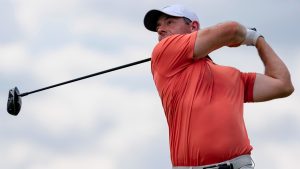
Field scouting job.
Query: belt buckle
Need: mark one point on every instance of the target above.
(225, 166)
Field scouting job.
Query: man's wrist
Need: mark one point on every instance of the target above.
(259, 43)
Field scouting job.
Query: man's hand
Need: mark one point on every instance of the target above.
(251, 37)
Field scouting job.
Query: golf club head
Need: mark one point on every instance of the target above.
(14, 102)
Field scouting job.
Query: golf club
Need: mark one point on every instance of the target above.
(14, 102)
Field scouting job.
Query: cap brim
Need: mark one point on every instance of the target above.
(151, 18)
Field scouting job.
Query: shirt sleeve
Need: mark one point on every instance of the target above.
(173, 54)
(248, 80)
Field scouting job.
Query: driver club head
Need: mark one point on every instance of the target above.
(14, 102)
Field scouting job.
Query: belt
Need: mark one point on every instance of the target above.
(236, 163)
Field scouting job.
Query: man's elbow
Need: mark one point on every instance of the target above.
(290, 90)
(287, 89)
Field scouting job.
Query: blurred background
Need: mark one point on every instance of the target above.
(116, 120)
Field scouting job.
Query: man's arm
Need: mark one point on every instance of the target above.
(276, 81)
(224, 34)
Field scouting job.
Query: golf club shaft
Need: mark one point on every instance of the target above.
(88, 76)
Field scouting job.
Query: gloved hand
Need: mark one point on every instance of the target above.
(251, 37)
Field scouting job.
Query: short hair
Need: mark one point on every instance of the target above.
(187, 20)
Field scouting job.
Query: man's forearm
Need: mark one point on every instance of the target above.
(274, 66)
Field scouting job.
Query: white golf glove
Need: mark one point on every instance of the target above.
(251, 37)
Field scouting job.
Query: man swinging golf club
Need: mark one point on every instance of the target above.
(203, 101)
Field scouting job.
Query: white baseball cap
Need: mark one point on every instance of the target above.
(152, 16)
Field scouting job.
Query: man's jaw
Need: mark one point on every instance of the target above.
(163, 36)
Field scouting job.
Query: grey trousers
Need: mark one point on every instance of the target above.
(241, 162)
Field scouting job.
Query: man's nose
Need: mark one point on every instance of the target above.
(161, 29)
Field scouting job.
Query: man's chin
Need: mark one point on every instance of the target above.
(162, 37)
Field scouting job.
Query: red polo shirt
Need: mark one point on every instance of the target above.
(203, 103)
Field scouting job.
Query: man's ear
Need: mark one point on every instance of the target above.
(195, 26)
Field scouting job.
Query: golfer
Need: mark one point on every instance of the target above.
(203, 101)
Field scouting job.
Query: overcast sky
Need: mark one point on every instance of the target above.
(116, 120)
